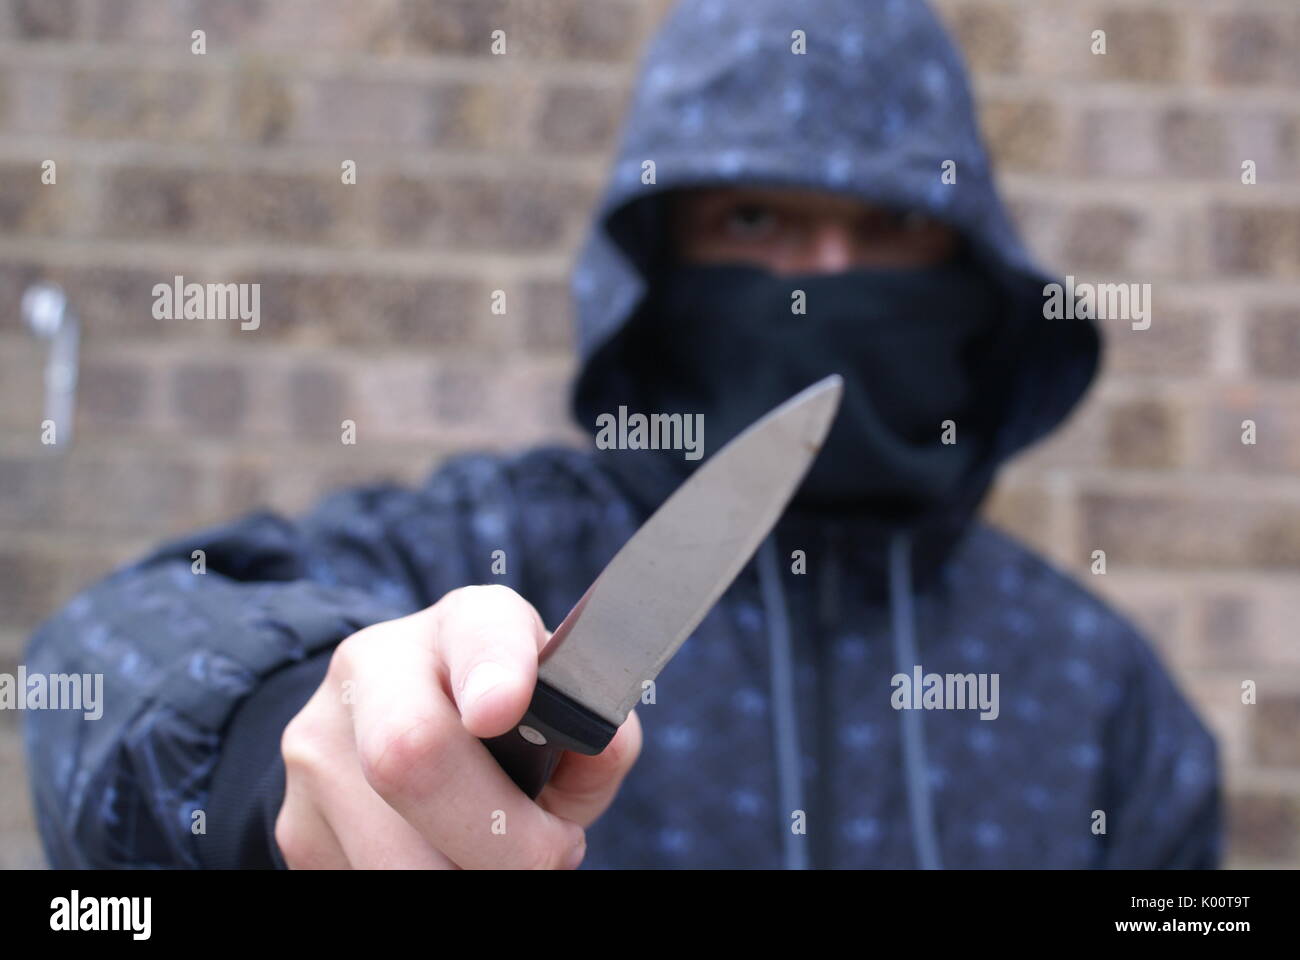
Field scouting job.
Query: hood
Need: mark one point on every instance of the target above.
(873, 109)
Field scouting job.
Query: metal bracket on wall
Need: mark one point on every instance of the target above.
(45, 309)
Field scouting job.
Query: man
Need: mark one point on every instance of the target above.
(316, 698)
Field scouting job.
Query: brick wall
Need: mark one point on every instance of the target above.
(477, 173)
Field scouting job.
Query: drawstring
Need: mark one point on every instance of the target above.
(918, 789)
(785, 719)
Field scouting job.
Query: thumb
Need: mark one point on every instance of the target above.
(582, 787)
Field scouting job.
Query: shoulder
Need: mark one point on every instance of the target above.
(1026, 587)
(1091, 655)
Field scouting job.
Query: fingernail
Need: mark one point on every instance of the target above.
(481, 679)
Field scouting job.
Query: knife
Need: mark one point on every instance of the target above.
(660, 585)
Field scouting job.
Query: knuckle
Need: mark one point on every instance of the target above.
(300, 746)
(343, 660)
(289, 838)
(391, 757)
(477, 599)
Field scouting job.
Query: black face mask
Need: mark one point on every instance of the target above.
(915, 348)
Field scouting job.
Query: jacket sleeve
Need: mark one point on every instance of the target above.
(206, 649)
(1166, 807)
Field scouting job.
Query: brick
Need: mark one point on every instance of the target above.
(1276, 611)
(393, 400)
(317, 25)
(255, 206)
(1262, 241)
(399, 113)
(1181, 533)
(20, 847)
(1273, 341)
(1057, 41)
(1177, 342)
(452, 26)
(244, 25)
(1277, 435)
(37, 100)
(1118, 142)
(149, 203)
(142, 497)
(461, 396)
(1252, 48)
(117, 304)
(376, 309)
(317, 400)
(114, 304)
(1193, 142)
(29, 206)
(1289, 147)
(27, 500)
(111, 393)
(249, 207)
(561, 29)
(516, 214)
(264, 104)
(1038, 222)
(141, 22)
(589, 29)
(27, 587)
(1023, 134)
(1263, 826)
(579, 118)
(1142, 46)
(529, 407)
(1277, 718)
(209, 398)
(22, 383)
(44, 19)
(1144, 433)
(549, 320)
(1224, 629)
(231, 22)
(1266, 137)
(989, 36)
(133, 103)
(1100, 238)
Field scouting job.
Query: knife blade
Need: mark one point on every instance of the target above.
(660, 585)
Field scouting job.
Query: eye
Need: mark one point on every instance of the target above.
(749, 220)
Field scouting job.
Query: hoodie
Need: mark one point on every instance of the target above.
(780, 734)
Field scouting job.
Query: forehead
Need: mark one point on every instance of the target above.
(801, 200)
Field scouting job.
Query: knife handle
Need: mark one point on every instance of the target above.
(554, 723)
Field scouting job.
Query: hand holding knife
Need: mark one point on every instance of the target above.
(660, 585)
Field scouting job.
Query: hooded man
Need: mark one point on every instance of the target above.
(797, 193)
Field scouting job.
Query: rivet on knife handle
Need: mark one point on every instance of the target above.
(554, 723)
